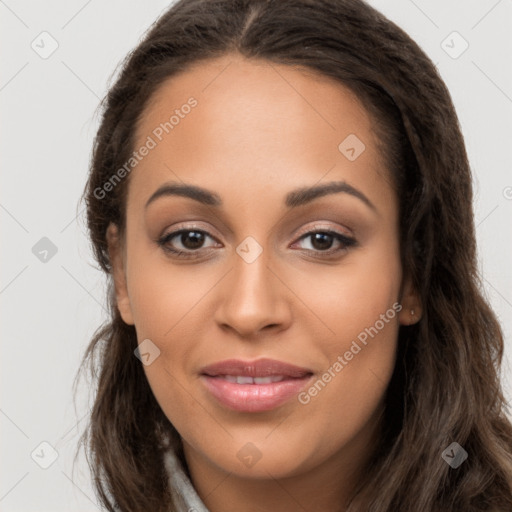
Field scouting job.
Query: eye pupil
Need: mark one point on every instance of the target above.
(197, 239)
(324, 239)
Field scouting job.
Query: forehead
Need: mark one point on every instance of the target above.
(256, 126)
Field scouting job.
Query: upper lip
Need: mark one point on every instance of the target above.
(258, 368)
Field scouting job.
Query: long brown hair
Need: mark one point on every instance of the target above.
(446, 385)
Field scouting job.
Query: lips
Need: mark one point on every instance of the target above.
(254, 386)
(255, 369)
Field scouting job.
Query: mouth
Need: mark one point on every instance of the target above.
(242, 379)
(254, 386)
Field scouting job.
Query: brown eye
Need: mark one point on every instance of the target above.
(322, 241)
(191, 240)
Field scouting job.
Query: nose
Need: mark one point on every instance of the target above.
(254, 299)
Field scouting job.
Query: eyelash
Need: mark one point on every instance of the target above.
(346, 242)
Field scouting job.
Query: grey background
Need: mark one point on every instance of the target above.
(51, 309)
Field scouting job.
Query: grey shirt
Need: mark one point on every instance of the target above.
(185, 496)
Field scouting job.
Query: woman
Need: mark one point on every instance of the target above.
(281, 199)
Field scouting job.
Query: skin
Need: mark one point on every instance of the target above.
(260, 130)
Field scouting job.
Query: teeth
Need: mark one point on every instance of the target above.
(268, 380)
(244, 380)
(240, 379)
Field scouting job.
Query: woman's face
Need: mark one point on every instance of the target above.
(271, 271)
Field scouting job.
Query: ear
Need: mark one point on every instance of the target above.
(115, 251)
(411, 304)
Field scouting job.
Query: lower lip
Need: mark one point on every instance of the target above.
(253, 397)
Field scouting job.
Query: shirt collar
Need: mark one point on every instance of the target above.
(184, 495)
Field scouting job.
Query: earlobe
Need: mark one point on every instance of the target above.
(411, 304)
(118, 273)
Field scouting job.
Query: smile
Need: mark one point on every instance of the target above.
(253, 396)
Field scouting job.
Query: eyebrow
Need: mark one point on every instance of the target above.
(294, 199)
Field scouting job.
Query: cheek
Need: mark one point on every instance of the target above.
(345, 397)
(165, 296)
(359, 353)
(168, 306)
(166, 311)
(359, 305)
(352, 296)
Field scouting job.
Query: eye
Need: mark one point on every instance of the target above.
(190, 239)
(322, 241)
